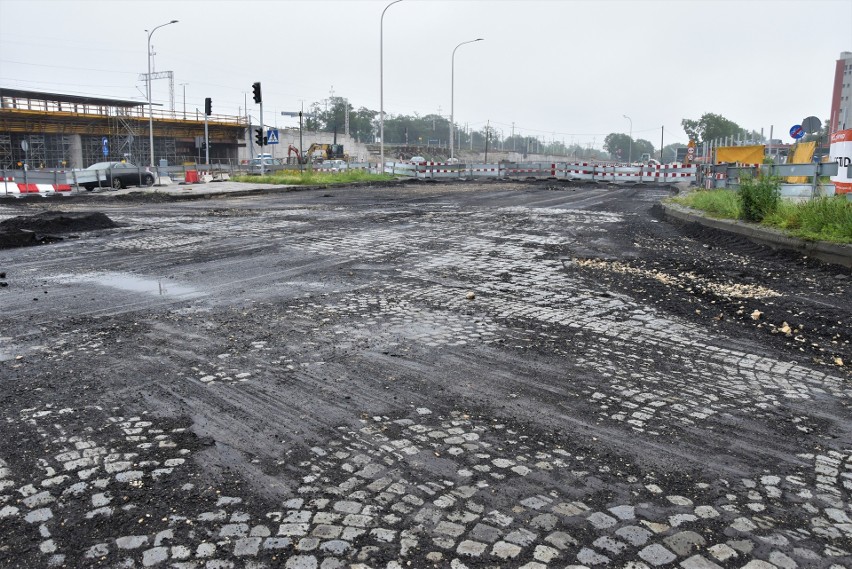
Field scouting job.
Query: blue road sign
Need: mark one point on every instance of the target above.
(105, 142)
(272, 136)
(796, 131)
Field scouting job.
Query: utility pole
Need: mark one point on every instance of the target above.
(184, 99)
(513, 136)
(487, 131)
(662, 136)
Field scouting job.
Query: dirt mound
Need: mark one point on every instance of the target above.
(43, 228)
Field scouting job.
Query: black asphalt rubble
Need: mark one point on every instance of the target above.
(494, 374)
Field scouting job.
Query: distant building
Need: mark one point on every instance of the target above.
(841, 97)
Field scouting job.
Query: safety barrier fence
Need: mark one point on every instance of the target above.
(799, 181)
(593, 172)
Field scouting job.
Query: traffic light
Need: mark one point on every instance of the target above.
(208, 106)
(256, 90)
(258, 137)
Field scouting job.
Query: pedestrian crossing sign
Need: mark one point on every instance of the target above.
(272, 136)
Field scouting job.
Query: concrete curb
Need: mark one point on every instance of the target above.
(834, 253)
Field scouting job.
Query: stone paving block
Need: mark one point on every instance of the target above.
(601, 521)
(357, 520)
(205, 549)
(634, 535)
(505, 550)
(180, 552)
(154, 556)
(277, 543)
(521, 537)
(347, 507)
(302, 562)
(38, 516)
(698, 562)
(471, 548)
(234, 530)
(449, 528)
(486, 533)
(625, 512)
(131, 541)
(307, 544)
(561, 540)
(247, 546)
(335, 547)
(781, 560)
(544, 522)
(545, 554)
(293, 529)
(684, 543)
(325, 531)
(385, 535)
(607, 543)
(591, 557)
(656, 555)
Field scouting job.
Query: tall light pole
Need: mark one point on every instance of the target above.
(150, 105)
(452, 90)
(630, 148)
(382, 87)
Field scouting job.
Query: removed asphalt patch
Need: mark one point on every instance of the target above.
(47, 227)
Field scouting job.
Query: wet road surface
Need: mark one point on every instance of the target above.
(489, 375)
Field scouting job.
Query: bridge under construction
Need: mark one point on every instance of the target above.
(55, 130)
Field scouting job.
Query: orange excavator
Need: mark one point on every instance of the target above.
(291, 150)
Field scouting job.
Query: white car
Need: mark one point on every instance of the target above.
(268, 163)
(417, 159)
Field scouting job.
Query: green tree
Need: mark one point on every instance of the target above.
(709, 127)
(642, 146)
(618, 145)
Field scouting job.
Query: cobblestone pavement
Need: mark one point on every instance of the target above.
(492, 375)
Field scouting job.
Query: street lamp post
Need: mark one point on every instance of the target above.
(382, 87)
(630, 148)
(452, 90)
(150, 105)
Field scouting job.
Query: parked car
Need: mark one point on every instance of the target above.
(115, 175)
(417, 159)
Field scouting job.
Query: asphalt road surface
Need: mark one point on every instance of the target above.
(460, 375)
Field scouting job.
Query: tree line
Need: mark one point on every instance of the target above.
(433, 130)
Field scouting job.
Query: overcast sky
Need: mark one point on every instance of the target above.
(562, 69)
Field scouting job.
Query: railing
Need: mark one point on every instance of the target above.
(801, 181)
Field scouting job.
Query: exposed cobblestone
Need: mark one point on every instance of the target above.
(403, 483)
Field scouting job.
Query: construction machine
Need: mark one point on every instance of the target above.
(319, 152)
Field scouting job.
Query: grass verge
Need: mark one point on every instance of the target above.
(717, 203)
(310, 178)
(821, 219)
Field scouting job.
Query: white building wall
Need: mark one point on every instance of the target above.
(357, 151)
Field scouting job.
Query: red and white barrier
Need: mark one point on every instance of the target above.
(14, 189)
(608, 172)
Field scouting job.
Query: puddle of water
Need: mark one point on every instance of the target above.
(134, 283)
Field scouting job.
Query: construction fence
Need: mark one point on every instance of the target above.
(798, 181)
(580, 171)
